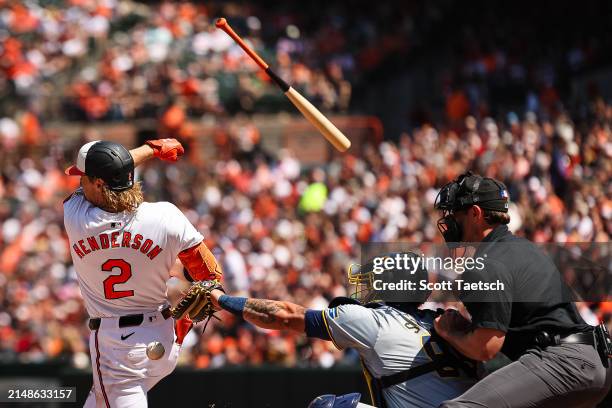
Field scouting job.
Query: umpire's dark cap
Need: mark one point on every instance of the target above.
(469, 189)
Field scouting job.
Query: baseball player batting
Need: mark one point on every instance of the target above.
(123, 249)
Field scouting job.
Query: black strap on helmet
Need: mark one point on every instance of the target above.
(463, 192)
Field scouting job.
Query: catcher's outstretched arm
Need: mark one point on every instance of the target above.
(264, 313)
(272, 314)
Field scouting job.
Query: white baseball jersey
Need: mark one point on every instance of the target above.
(123, 259)
(390, 341)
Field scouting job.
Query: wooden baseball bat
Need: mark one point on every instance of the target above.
(314, 116)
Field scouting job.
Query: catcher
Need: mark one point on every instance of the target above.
(404, 362)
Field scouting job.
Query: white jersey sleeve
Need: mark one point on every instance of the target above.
(180, 230)
(74, 204)
(351, 326)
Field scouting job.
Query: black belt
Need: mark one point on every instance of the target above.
(579, 338)
(544, 339)
(598, 337)
(128, 320)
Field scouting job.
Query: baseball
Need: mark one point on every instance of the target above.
(155, 350)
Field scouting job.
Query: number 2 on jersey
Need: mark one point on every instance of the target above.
(111, 281)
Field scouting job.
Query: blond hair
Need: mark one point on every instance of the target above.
(119, 201)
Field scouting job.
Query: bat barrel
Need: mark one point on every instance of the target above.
(223, 24)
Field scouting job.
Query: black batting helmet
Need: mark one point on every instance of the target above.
(109, 161)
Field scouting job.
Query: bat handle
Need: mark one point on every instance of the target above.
(222, 24)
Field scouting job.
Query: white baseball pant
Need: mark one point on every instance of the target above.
(122, 371)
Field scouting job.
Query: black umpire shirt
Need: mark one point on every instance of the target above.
(534, 298)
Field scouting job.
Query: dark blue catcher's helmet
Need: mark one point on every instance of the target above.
(363, 277)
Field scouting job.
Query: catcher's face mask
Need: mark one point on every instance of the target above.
(362, 280)
(362, 277)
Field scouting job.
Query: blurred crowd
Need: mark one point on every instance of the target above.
(105, 60)
(115, 60)
(522, 59)
(284, 231)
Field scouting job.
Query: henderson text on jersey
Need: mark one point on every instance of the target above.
(117, 240)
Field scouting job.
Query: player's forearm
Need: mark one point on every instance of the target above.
(264, 313)
(462, 343)
(479, 345)
(272, 314)
(141, 154)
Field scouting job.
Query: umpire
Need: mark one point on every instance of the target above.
(558, 360)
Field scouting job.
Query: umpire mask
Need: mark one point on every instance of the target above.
(462, 193)
(451, 230)
(446, 201)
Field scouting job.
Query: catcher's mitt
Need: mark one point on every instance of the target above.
(196, 303)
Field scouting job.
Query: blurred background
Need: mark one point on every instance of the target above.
(425, 90)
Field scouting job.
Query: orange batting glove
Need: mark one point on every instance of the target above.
(166, 149)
